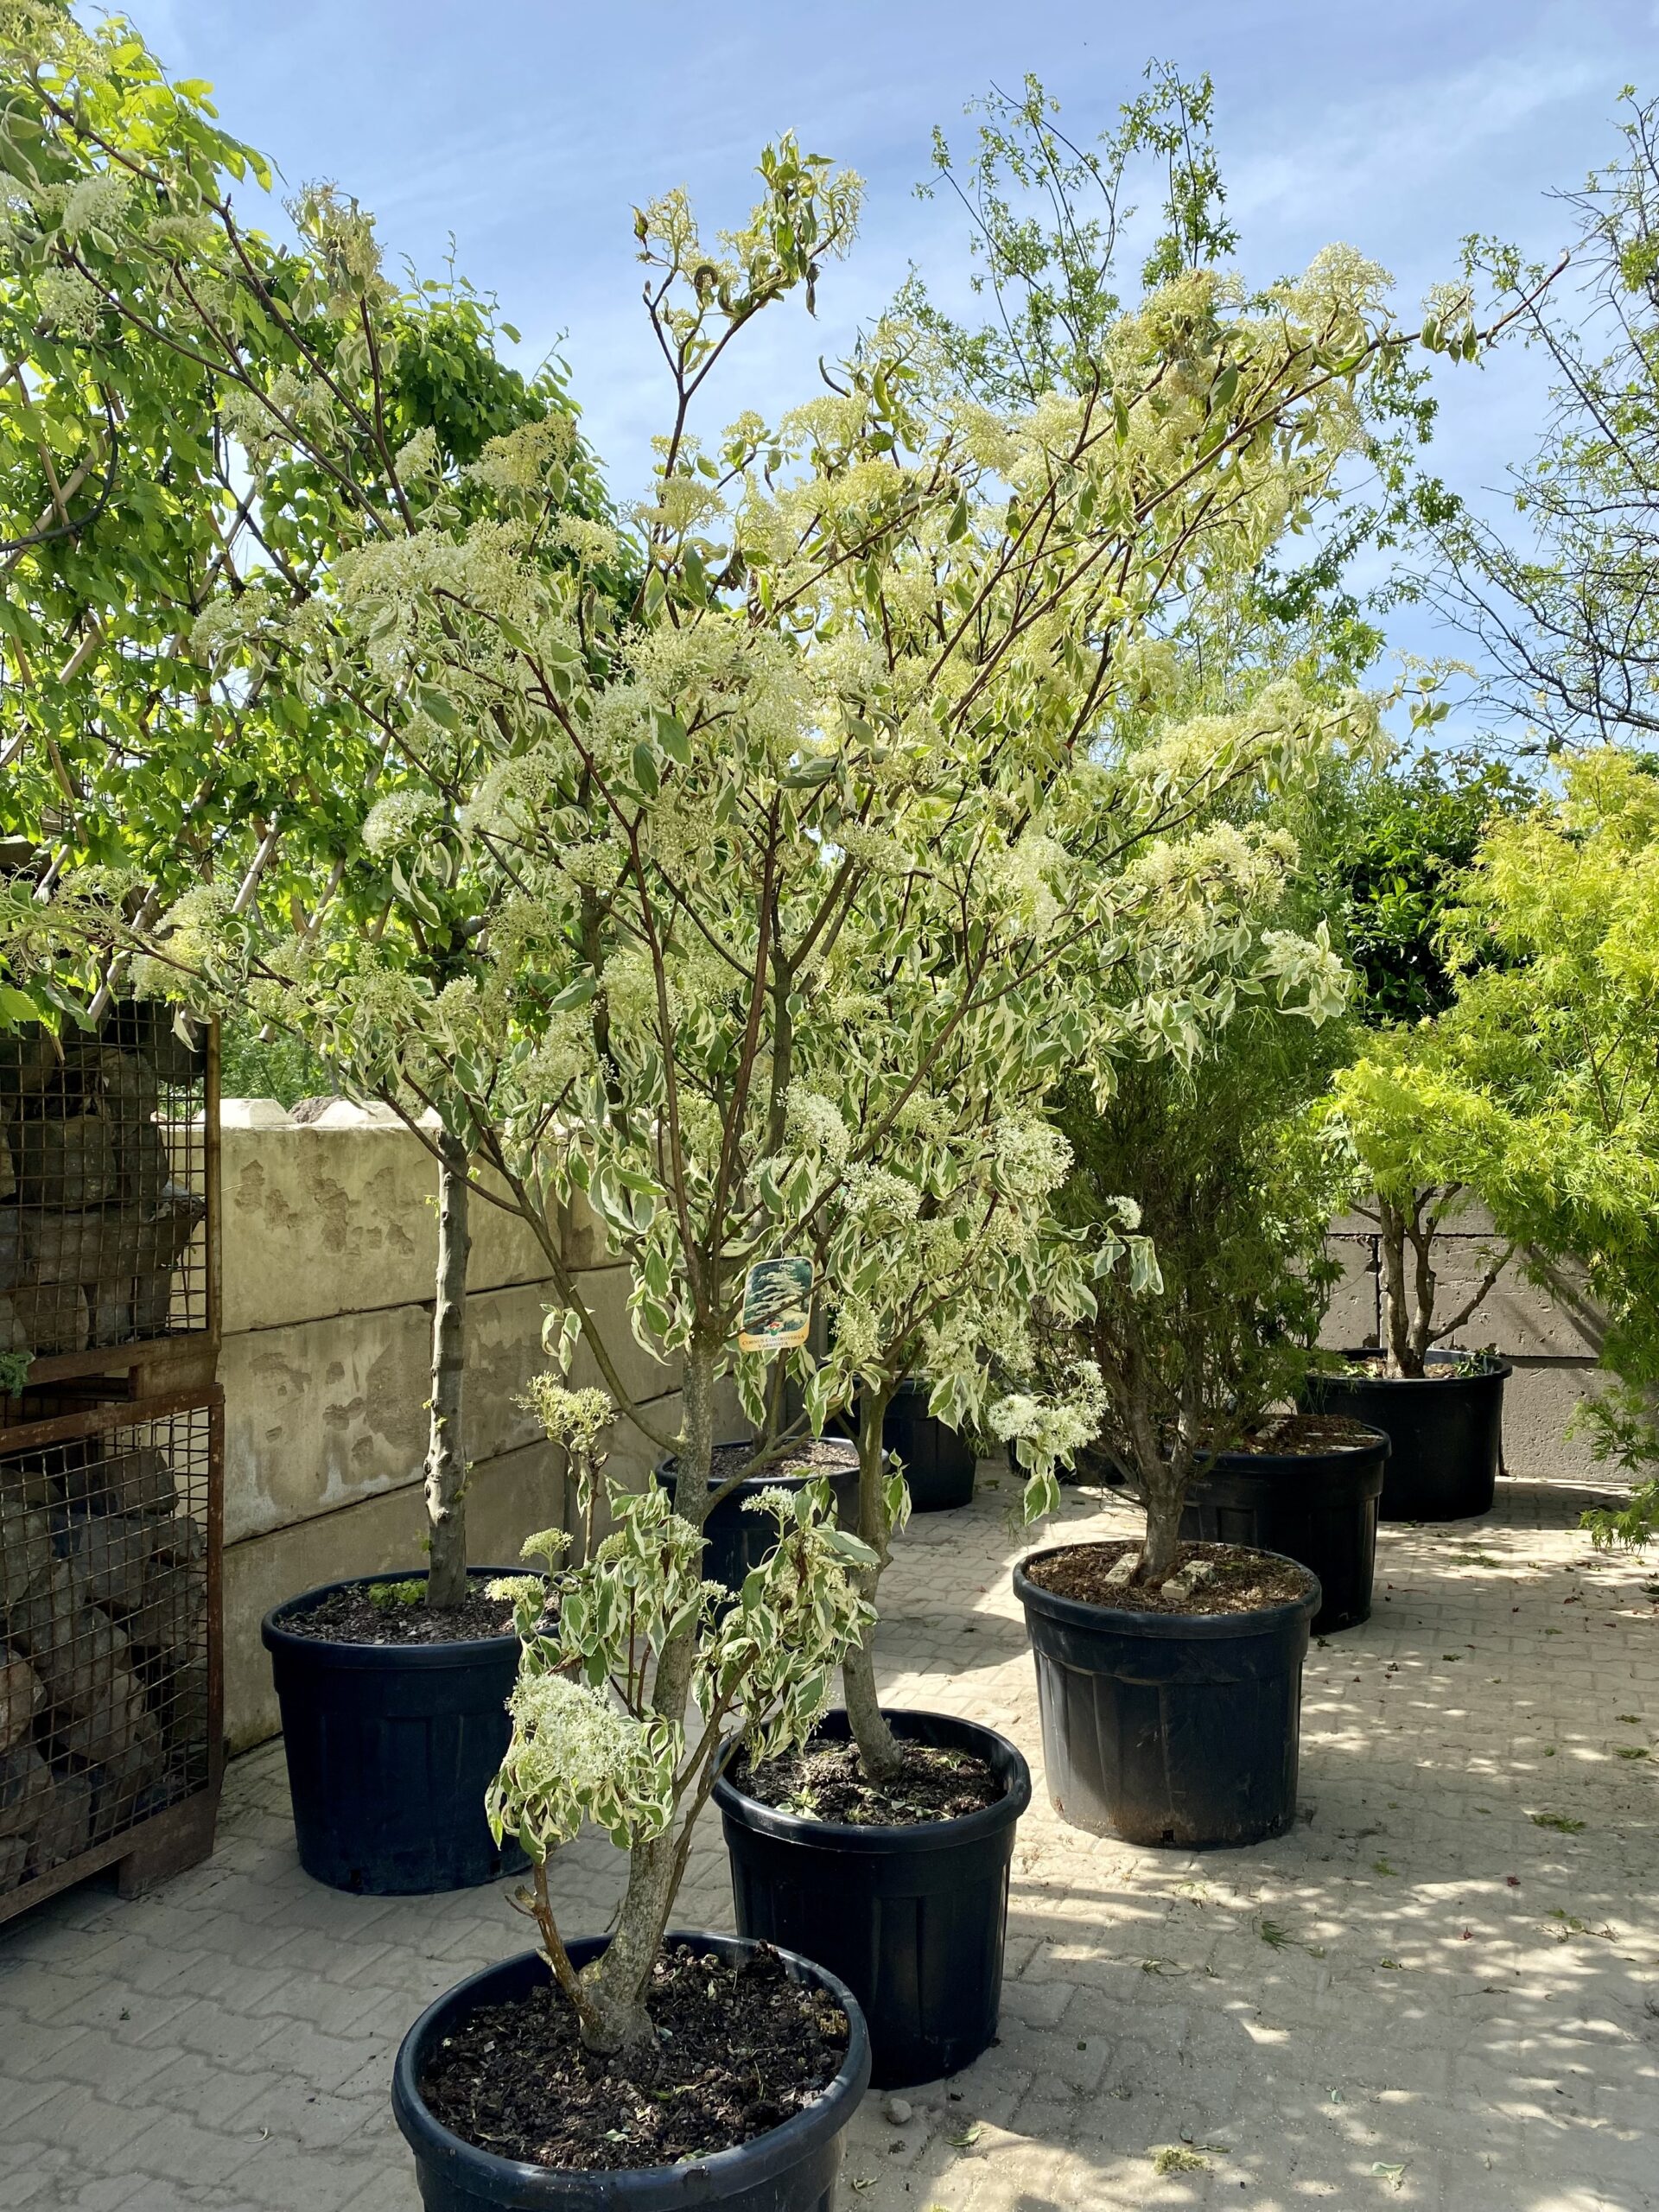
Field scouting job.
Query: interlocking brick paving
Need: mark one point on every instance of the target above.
(1420, 1998)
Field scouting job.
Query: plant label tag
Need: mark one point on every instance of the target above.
(777, 1306)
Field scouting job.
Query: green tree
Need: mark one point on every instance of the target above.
(843, 809)
(1562, 596)
(1389, 849)
(1542, 1092)
(149, 501)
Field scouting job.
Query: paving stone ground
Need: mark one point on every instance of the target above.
(1420, 1998)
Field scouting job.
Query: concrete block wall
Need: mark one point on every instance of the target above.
(330, 1245)
(1537, 1318)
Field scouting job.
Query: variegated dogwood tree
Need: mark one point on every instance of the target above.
(800, 879)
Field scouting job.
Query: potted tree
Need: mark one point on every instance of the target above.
(1169, 1668)
(533, 2066)
(205, 760)
(1398, 840)
(833, 744)
(1441, 1410)
(1540, 1087)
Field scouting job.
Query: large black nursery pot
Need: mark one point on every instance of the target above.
(1446, 1431)
(1317, 1508)
(1181, 1729)
(390, 1748)
(735, 1541)
(790, 2169)
(911, 1919)
(939, 1464)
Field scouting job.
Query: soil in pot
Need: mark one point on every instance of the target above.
(392, 1739)
(742, 2049)
(1307, 1486)
(357, 1614)
(1241, 1581)
(1165, 1722)
(1444, 1429)
(900, 1890)
(721, 2059)
(735, 1541)
(827, 1782)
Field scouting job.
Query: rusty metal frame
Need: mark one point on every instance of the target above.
(180, 1835)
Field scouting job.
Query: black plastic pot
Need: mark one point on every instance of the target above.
(911, 1919)
(1445, 1433)
(735, 1541)
(1169, 1728)
(790, 2169)
(389, 1749)
(1317, 1508)
(939, 1465)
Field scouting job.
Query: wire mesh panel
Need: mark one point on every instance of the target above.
(109, 1697)
(106, 1139)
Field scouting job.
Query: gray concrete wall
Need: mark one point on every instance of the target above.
(1542, 1323)
(330, 1245)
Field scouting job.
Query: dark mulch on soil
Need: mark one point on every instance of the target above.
(825, 1782)
(742, 2049)
(352, 1617)
(819, 1455)
(1290, 1433)
(1245, 1581)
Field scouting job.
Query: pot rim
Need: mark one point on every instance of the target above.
(668, 1467)
(890, 1838)
(1168, 1628)
(1240, 1462)
(743, 2166)
(1499, 1370)
(456, 1651)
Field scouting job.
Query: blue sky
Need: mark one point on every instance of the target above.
(529, 129)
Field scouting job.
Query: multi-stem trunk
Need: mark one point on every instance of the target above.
(446, 1455)
(1407, 1292)
(878, 1750)
(615, 1985)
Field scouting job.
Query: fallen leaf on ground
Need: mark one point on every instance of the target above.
(1176, 2158)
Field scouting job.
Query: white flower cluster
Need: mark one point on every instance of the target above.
(1032, 1159)
(68, 304)
(394, 822)
(592, 544)
(815, 1122)
(574, 1755)
(97, 203)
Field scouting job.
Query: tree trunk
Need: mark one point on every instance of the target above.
(878, 1749)
(616, 1983)
(1165, 1495)
(1398, 1331)
(446, 1455)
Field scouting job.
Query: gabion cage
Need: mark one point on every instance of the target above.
(108, 1147)
(109, 1695)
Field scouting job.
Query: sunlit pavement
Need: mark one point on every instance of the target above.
(1420, 1998)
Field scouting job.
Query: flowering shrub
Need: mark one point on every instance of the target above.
(788, 843)
(589, 1743)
